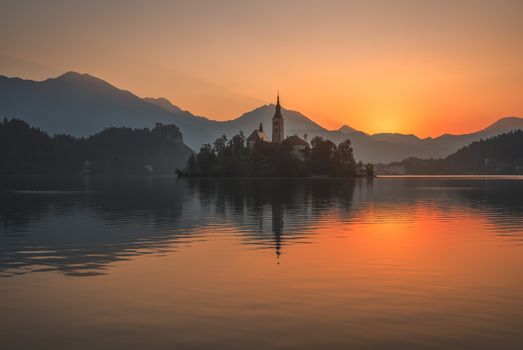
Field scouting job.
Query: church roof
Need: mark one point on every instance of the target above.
(257, 135)
(295, 141)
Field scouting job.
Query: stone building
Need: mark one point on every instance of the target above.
(299, 146)
(256, 136)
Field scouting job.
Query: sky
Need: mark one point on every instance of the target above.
(423, 67)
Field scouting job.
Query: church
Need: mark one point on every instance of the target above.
(298, 145)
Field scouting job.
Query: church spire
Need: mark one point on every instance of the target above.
(277, 113)
(277, 123)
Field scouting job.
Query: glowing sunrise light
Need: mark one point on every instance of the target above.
(427, 68)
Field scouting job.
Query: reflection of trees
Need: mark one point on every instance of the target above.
(500, 201)
(273, 212)
(80, 230)
(497, 200)
(96, 221)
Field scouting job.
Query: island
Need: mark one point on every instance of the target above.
(256, 156)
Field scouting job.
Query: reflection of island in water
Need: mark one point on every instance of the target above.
(271, 213)
(80, 226)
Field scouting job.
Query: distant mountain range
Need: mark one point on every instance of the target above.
(502, 154)
(25, 150)
(82, 105)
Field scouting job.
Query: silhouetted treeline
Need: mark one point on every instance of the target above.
(27, 150)
(501, 154)
(226, 158)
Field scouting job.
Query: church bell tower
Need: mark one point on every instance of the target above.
(277, 123)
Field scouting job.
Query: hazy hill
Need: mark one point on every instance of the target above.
(295, 122)
(345, 129)
(501, 154)
(76, 104)
(164, 103)
(26, 150)
(81, 105)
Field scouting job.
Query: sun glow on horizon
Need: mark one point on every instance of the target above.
(425, 68)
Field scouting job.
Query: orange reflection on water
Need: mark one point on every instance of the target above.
(403, 276)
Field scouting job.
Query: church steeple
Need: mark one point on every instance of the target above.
(277, 113)
(277, 123)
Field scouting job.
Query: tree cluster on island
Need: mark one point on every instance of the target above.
(29, 151)
(502, 154)
(233, 158)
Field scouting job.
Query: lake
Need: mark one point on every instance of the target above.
(166, 263)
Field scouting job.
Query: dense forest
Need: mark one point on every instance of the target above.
(26, 150)
(232, 158)
(501, 154)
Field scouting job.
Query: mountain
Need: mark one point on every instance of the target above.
(345, 129)
(502, 125)
(295, 122)
(446, 144)
(396, 138)
(25, 150)
(378, 148)
(73, 103)
(82, 105)
(164, 103)
(389, 147)
(501, 154)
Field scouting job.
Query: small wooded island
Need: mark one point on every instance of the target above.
(256, 156)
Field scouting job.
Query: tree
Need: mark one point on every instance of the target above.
(348, 164)
(192, 166)
(322, 152)
(369, 170)
(26, 150)
(206, 159)
(233, 158)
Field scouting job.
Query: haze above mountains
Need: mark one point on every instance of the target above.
(82, 105)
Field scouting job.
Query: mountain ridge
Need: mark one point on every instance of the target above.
(81, 104)
(500, 154)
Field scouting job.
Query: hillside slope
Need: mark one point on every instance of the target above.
(501, 154)
(25, 150)
(82, 105)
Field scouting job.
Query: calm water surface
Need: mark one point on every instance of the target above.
(161, 263)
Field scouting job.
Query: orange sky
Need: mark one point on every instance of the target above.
(423, 67)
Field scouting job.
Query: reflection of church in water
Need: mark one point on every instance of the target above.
(281, 216)
(277, 226)
(277, 239)
(298, 146)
